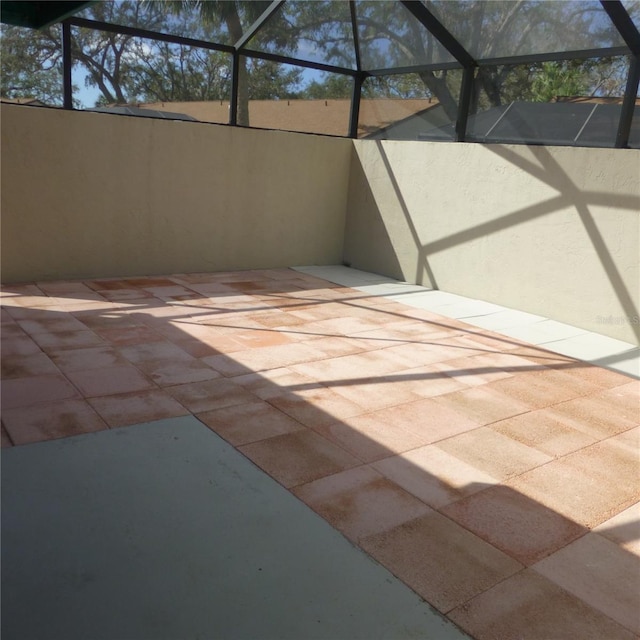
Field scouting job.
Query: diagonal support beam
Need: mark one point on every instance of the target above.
(430, 22)
(623, 23)
(257, 25)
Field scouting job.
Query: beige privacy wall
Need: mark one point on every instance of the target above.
(554, 231)
(89, 194)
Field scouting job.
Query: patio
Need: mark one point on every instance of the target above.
(460, 449)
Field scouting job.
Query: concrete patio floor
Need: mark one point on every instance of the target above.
(470, 450)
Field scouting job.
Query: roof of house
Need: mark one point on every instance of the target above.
(318, 116)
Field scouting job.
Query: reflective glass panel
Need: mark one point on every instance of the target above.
(220, 22)
(575, 103)
(152, 78)
(319, 31)
(390, 37)
(410, 106)
(282, 96)
(31, 69)
(505, 28)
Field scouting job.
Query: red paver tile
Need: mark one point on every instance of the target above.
(133, 408)
(545, 432)
(601, 574)
(48, 421)
(599, 376)
(108, 381)
(527, 606)
(522, 528)
(355, 368)
(52, 323)
(153, 353)
(227, 365)
(588, 486)
(369, 438)
(35, 364)
(257, 338)
(470, 371)
(360, 502)
(150, 281)
(20, 289)
(507, 361)
(249, 422)
(168, 374)
(539, 389)
(375, 393)
(626, 395)
(427, 418)
(315, 407)
(629, 440)
(427, 382)
(62, 287)
(23, 392)
(263, 358)
(128, 295)
(67, 340)
(444, 563)
(69, 360)
(417, 354)
(482, 404)
(298, 458)
(123, 336)
(199, 397)
(277, 318)
(6, 319)
(433, 475)
(198, 349)
(333, 347)
(20, 345)
(275, 382)
(107, 284)
(600, 417)
(496, 454)
(168, 290)
(12, 330)
(115, 317)
(623, 529)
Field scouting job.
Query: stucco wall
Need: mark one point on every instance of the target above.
(553, 231)
(88, 194)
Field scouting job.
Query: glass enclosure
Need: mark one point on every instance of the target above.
(518, 71)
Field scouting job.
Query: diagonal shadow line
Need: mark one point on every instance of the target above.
(504, 222)
(571, 196)
(405, 211)
(559, 179)
(468, 330)
(581, 204)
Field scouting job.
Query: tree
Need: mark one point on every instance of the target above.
(125, 69)
(31, 64)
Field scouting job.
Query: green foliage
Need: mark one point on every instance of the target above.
(31, 64)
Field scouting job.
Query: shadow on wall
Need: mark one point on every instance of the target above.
(386, 229)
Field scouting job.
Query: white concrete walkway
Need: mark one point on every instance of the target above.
(552, 335)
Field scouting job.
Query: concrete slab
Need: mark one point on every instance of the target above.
(163, 530)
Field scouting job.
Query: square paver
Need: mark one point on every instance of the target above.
(360, 502)
(600, 573)
(299, 457)
(529, 606)
(443, 562)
